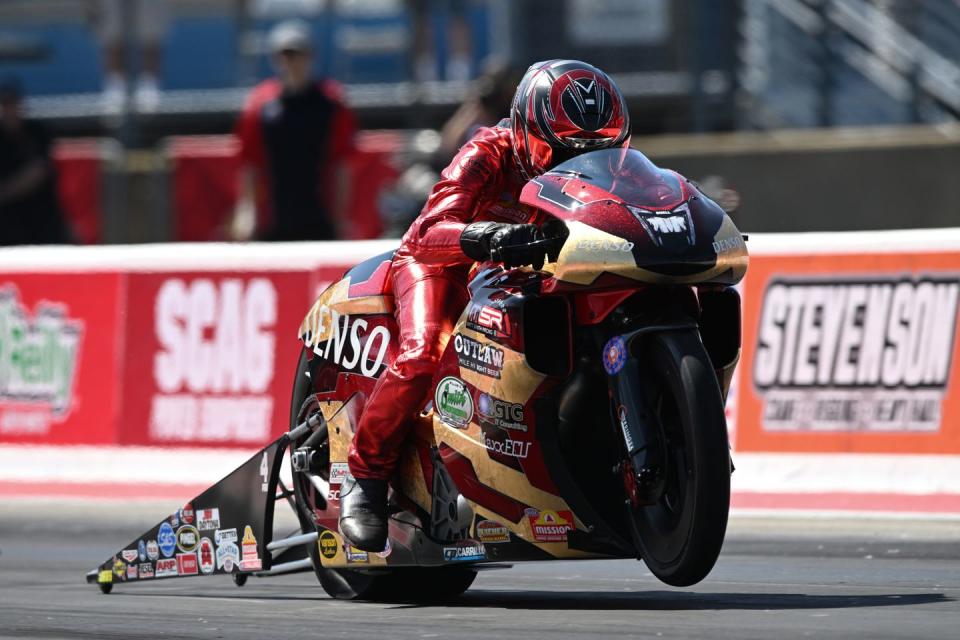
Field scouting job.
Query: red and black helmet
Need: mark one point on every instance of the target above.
(563, 108)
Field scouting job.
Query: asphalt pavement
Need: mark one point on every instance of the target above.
(776, 578)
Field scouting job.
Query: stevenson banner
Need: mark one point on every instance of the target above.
(851, 353)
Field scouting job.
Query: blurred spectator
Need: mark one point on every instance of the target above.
(295, 136)
(147, 19)
(424, 50)
(488, 102)
(29, 210)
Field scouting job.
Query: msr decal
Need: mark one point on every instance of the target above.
(352, 344)
(851, 355)
(38, 363)
(489, 321)
(485, 359)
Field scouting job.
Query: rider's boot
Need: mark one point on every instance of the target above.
(363, 512)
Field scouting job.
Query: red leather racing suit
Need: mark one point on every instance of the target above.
(429, 272)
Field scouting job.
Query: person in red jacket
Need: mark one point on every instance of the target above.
(295, 136)
(561, 108)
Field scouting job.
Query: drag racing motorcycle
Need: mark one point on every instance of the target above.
(577, 411)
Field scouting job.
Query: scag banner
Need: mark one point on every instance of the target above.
(851, 353)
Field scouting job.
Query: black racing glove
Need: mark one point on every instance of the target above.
(506, 243)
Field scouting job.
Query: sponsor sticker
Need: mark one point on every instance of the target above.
(338, 471)
(228, 556)
(142, 551)
(507, 446)
(208, 519)
(625, 428)
(488, 321)
(186, 514)
(614, 355)
(153, 550)
(474, 355)
(551, 526)
(167, 540)
(130, 555)
(500, 413)
(350, 342)
(105, 576)
(132, 572)
(327, 544)
(356, 556)
(225, 535)
(146, 570)
(205, 553)
(187, 564)
(249, 555)
(387, 550)
(848, 355)
(188, 538)
(453, 402)
(466, 551)
(167, 568)
(120, 568)
(175, 518)
(491, 532)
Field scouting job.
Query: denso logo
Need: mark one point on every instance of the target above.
(216, 337)
(856, 354)
(345, 330)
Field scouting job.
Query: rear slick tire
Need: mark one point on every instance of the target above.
(403, 584)
(681, 535)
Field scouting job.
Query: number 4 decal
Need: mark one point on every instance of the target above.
(264, 472)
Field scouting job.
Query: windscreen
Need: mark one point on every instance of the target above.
(627, 174)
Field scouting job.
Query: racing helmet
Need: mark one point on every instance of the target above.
(563, 108)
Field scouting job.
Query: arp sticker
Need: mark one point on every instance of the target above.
(491, 532)
(453, 402)
(551, 526)
(328, 545)
(167, 568)
(167, 540)
(208, 519)
(614, 355)
(206, 557)
(187, 564)
(188, 538)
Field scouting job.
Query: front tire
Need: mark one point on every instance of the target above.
(680, 536)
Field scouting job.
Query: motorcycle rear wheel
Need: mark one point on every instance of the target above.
(680, 536)
(402, 584)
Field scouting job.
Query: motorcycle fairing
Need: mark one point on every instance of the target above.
(653, 227)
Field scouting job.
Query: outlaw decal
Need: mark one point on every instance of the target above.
(847, 355)
(485, 359)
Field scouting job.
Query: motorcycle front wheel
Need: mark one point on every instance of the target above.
(680, 535)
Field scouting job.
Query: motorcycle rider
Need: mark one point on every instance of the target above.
(561, 108)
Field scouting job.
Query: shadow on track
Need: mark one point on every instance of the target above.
(680, 601)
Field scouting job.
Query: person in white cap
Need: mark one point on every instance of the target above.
(295, 133)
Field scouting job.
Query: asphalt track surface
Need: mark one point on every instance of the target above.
(776, 578)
